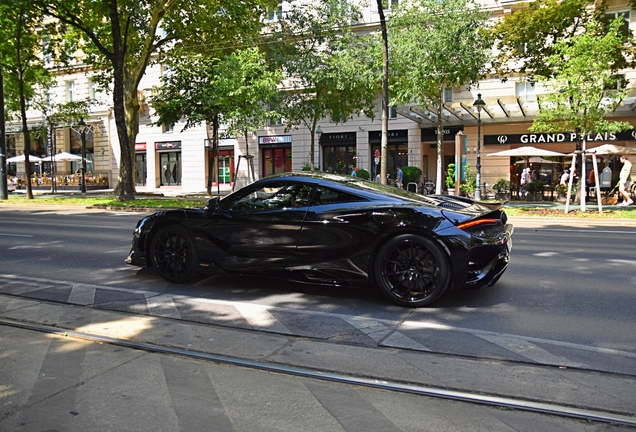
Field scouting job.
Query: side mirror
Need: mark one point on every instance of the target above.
(212, 205)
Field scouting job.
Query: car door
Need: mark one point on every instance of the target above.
(258, 228)
(338, 233)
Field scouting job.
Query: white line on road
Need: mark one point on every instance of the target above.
(16, 235)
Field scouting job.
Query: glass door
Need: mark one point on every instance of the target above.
(140, 169)
(170, 168)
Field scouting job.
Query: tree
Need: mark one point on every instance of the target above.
(119, 39)
(203, 89)
(21, 32)
(528, 36)
(435, 45)
(329, 68)
(585, 87)
(385, 91)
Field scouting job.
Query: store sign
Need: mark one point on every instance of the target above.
(430, 134)
(140, 146)
(399, 136)
(557, 138)
(276, 139)
(168, 145)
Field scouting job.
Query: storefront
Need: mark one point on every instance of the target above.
(169, 159)
(429, 149)
(276, 154)
(397, 150)
(141, 166)
(339, 153)
(550, 169)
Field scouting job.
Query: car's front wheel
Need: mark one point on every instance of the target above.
(174, 254)
(412, 270)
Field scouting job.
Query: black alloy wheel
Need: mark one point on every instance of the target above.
(174, 254)
(411, 270)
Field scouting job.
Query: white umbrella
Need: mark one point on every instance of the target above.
(526, 151)
(20, 158)
(538, 159)
(611, 149)
(63, 156)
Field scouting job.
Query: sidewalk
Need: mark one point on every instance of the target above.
(563, 386)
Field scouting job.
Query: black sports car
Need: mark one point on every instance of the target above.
(333, 229)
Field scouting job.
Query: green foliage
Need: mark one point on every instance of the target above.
(450, 176)
(469, 186)
(528, 36)
(502, 186)
(411, 174)
(536, 186)
(583, 90)
(363, 174)
(329, 66)
(201, 87)
(436, 45)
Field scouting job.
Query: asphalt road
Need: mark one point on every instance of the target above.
(564, 303)
(567, 284)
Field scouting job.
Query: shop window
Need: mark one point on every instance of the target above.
(525, 90)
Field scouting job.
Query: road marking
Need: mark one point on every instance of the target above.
(16, 235)
(82, 295)
(162, 306)
(384, 335)
(260, 318)
(528, 350)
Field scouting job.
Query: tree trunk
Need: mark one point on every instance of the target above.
(385, 94)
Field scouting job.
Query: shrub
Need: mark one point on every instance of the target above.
(502, 186)
(363, 174)
(471, 181)
(536, 186)
(450, 176)
(411, 174)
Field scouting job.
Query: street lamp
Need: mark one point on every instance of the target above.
(319, 133)
(479, 104)
(81, 128)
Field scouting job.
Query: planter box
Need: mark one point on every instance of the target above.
(534, 197)
(503, 196)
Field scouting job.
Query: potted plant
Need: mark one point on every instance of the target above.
(450, 179)
(363, 174)
(502, 189)
(468, 188)
(535, 190)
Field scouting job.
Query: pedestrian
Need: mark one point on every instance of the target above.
(354, 173)
(524, 181)
(399, 178)
(624, 181)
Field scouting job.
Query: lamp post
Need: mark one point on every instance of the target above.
(319, 133)
(479, 104)
(81, 127)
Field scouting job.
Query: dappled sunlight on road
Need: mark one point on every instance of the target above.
(122, 328)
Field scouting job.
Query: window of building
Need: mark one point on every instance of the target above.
(277, 13)
(448, 95)
(611, 16)
(525, 90)
(93, 90)
(275, 121)
(392, 112)
(70, 91)
(168, 128)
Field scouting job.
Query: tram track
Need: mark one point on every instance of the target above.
(540, 407)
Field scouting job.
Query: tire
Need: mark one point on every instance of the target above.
(174, 254)
(412, 270)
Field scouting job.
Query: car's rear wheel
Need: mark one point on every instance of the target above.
(174, 254)
(412, 270)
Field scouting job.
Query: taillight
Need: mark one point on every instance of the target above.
(476, 223)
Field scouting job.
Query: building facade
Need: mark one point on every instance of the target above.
(170, 158)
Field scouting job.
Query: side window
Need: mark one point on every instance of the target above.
(324, 195)
(271, 197)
